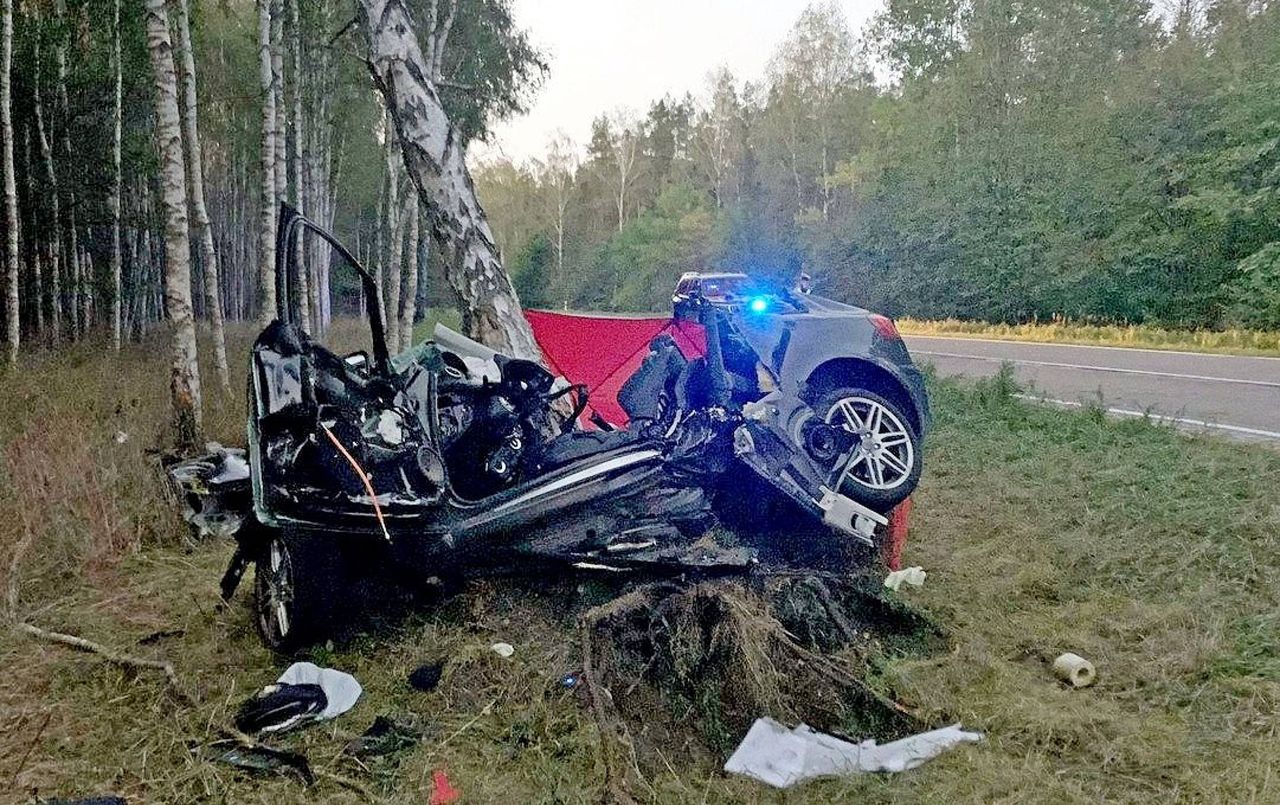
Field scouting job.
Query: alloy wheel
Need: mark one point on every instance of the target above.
(883, 456)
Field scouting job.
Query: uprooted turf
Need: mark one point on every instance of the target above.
(1153, 554)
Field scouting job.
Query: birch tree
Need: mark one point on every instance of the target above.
(267, 210)
(184, 385)
(77, 285)
(436, 165)
(557, 176)
(10, 185)
(409, 303)
(117, 179)
(51, 178)
(624, 142)
(195, 187)
(303, 265)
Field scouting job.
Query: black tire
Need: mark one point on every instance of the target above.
(886, 467)
(300, 587)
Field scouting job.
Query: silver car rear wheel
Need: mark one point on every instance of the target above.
(883, 467)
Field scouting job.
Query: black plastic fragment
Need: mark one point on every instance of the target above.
(425, 677)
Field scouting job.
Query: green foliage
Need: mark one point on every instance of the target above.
(531, 271)
(1031, 160)
(638, 268)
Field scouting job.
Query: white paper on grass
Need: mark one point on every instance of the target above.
(340, 688)
(783, 757)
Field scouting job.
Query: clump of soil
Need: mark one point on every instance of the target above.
(691, 667)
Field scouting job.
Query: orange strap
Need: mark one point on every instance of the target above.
(363, 476)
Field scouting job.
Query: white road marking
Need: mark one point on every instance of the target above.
(1172, 420)
(1113, 369)
(910, 336)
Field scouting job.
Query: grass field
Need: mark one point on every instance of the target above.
(1242, 342)
(1154, 554)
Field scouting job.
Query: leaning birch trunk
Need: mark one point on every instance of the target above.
(409, 303)
(184, 386)
(113, 200)
(195, 187)
(10, 186)
(267, 220)
(436, 164)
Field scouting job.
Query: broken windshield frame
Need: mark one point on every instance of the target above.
(286, 269)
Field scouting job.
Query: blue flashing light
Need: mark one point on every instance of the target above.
(758, 304)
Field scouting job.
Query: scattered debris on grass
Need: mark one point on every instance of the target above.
(303, 694)
(259, 758)
(385, 736)
(780, 757)
(425, 677)
(908, 575)
(1075, 670)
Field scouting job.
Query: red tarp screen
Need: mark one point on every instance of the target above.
(601, 351)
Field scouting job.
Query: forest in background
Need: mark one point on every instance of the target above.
(1108, 161)
(1100, 161)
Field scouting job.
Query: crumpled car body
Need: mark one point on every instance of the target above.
(452, 459)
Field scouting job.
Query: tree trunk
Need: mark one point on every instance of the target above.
(436, 165)
(117, 180)
(395, 273)
(76, 280)
(10, 186)
(267, 221)
(195, 186)
(411, 275)
(391, 279)
(184, 386)
(55, 228)
(303, 265)
(33, 247)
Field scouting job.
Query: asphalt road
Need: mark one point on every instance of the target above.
(1226, 394)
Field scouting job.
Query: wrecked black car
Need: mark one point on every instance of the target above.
(452, 460)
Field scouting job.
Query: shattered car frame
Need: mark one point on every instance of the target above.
(452, 459)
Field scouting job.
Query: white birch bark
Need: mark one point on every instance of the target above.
(267, 210)
(77, 282)
(195, 188)
(395, 273)
(409, 303)
(51, 176)
(12, 315)
(436, 165)
(184, 386)
(117, 180)
(302, 265)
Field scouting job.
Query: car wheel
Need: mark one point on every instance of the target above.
(884, 466)
(299, 584)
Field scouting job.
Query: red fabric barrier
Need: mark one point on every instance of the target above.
(896, 535)
(601, 351)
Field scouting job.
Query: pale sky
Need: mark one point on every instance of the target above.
(605, 54)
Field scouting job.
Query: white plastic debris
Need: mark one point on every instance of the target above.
(783, 757)
(1075, 670)
(503, 650)
(121, 437)
(908, 575)
(340, 688)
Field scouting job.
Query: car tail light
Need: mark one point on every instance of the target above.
(885, 326)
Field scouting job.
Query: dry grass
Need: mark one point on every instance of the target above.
(1154, 554)
(1234, 341)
